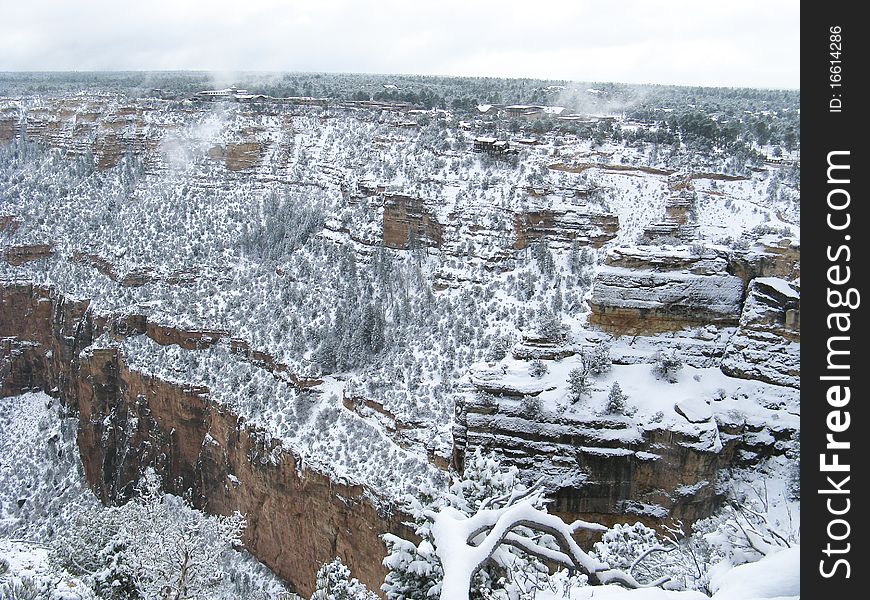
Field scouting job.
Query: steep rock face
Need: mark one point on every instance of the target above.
(238, 156)
(407, 223)
(18, 255)
(670, 231)
(564, 226)
(646, 290)
(680, 207)
(297, 518)
(608, 468)
(106, 127)
(8, 129)
(769, 258)
(22, 366)
(767, 343)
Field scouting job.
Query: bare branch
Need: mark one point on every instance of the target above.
(513, 497)
(646, 553)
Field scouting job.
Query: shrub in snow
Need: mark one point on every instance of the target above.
(484, 399)
(649, 557)
(622, 545)
(44, 586)
(531, 406)
(616, 399)
(150, 547)
(743, 531)
(538, 368)
(578, 383)
(666, 365)
(335, 583)
(23, 588)
(597, 359)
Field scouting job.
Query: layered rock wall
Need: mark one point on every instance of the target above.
(562, 227)
(647, 290)
(767, 343)
(408, 223)
(610, 469)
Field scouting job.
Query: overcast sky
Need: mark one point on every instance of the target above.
(697, 42)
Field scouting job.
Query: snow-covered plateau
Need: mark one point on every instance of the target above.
(316, 322)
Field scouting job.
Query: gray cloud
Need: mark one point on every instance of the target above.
(737, 43)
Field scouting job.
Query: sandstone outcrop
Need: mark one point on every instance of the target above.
(646, 290)
(238, 156)
(767, 343)
(770, 257)
(18, 255)
(563, 226)
(408, 223)
(610, 468)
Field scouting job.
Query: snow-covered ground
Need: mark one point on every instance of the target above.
(286, 255)
(42, 496)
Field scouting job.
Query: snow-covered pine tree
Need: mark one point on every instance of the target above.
(578, 383)
(550, 325)
(616, 399)
(335, 583)
(666, 365)
(597, 358)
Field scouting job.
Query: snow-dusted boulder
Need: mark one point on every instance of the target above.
(695, 410)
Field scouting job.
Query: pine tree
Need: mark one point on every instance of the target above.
(538, 368)
(578, 383)
(597, 358)
(549, 325)
(335, 583)
(667, 365)
(616, 399)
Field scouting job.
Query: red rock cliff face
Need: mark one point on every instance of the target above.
(297, 518)
(407, 222)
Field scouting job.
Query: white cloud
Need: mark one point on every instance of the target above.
(677, 41)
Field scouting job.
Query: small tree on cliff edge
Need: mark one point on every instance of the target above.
(578, 383)
(666, 365)
(335, 583)
(616, 399)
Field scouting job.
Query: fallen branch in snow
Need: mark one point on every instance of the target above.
(464, 544)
